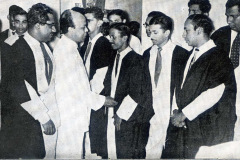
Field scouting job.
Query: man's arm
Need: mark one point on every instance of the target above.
(202, 103)
(36, 108)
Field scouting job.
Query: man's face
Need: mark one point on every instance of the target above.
(80, 29)
(158, 35)
(146, 25)
(20, 22)
(48, 29)
(92, 22)
(233, 18)
(116, 39)
(194, 9)
(189, 34)
(115, 19)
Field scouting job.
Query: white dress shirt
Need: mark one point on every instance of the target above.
(206, 99)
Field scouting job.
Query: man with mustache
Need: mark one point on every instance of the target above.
(29, 100)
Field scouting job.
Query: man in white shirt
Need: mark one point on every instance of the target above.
(163, 53)
(227, 38)
(73, 92)
(199, 118)
(120, 16)
(29, 86)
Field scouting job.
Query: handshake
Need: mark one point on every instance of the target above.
(178, 118)
(110, 102)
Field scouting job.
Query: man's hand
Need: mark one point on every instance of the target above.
(49, 128)
(117, 121)
(178, 119)
(109, 102)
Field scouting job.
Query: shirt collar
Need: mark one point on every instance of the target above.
(125, 52)
(93, 41)
(30, 39)
(204, 48)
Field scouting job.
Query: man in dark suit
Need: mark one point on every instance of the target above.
(7, 33)
(97, 57)
(164, 54)
(228, 39)
(128, 138)
(29, 99)
(200, 119)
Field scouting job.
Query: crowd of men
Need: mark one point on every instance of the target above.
(94, 95)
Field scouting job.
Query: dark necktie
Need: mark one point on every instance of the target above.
(193, 59)
(117, 61)
(158, 66)
(87, 51)
(235, 51)
(48, 62)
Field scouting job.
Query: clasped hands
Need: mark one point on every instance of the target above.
(110, 102)
(178, 118)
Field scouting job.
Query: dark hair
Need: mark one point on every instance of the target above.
(204, 5)
(200, 20)
(105, 27)
(123, 28)
(231, 3)
(97, 12)
(38, 14)
(155, 14)
(79, 10)
(66, 21)
(165, 21)
(123, 14)
(19, 11)
(134, 27)
(13, 9)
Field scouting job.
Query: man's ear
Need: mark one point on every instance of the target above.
(8, 17)
(37, 25)
(124, 20)
(125, 38)
(167, 33)
(100, 22)
(199, 30)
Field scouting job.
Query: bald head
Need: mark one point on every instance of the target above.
(73, 25)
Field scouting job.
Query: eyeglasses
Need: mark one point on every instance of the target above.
(51, 25)
(145, 25)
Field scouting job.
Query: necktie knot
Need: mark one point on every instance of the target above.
(21, 36)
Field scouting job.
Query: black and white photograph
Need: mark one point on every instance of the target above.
(119, 79)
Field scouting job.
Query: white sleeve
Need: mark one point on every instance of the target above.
(203, 102)
(35, 107)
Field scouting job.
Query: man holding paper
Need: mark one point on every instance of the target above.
(128, 138)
